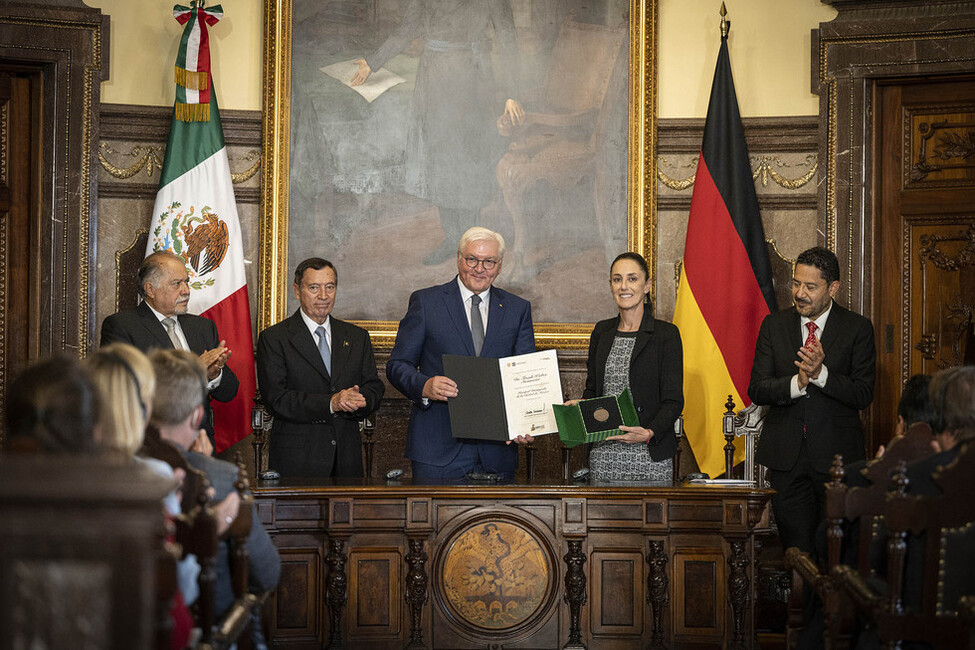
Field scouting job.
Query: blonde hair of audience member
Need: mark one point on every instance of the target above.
(127, 383)
(477, 233)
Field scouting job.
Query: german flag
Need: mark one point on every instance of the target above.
(726, 281)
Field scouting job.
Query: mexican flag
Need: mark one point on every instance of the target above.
(195, 215)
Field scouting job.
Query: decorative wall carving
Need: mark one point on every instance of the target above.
(867, 43)
(939, 146)
(763, 169)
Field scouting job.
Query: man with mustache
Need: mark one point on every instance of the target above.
(318, 378)
(160, 321)
(815, 367)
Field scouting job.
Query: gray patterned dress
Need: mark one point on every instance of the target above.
(612, 460)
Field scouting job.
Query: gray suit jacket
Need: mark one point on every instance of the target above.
(264, 569)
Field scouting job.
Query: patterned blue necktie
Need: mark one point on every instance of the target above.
(323, 348)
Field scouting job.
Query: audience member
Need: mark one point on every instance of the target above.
(53, 407)
(177, 411)
(127, 383)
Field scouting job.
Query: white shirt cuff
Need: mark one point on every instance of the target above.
(794, 389)
(214, 383)
(821, 380)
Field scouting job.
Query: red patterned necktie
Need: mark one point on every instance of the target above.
(811, 326)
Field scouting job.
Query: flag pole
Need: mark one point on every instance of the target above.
(725, 24)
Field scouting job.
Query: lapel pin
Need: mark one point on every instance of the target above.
(345, 344)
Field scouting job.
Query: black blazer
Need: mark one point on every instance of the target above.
(656, 376)
(298, 390)
(140, 327)
(829, 417)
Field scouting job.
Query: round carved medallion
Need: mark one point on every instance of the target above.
(495, 574)
(601, 415)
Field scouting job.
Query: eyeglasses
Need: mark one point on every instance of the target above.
(472, 263)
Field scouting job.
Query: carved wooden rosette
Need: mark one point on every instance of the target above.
(575, 591)
(336, 590)
(738, 587)
(416, 590)
(658, 589)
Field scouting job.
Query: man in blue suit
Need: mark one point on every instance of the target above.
(466, 316)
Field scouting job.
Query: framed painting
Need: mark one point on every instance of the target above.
(391, 126)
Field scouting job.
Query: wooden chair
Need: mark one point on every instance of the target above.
(235, 626)
(195, 482)
(851, 508)
(929, 562)
(79, 553)
(196, 533)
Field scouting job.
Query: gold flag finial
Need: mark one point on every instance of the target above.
(725, 24)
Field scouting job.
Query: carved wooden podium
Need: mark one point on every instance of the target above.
(392, 565)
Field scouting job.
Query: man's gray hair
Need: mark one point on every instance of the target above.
(151, 269)
(181, 385)
(477, 233)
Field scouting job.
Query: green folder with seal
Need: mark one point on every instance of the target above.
(595, 419)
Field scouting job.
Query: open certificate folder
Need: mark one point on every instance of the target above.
(501, 399)
(595, 419)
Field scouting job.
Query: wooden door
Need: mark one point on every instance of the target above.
(924, 247)
(19, 107)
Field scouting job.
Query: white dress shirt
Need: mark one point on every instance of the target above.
(313, 328)
(213, 383)
(466, 295)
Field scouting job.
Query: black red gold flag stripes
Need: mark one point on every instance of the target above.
(726, 282)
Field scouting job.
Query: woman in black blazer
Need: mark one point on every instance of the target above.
(636, 350)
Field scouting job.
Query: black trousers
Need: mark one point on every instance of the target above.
(798, 502)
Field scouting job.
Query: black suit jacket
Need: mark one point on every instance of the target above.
(140, 327)
(306, 438)
(829, 417)
(656, 376)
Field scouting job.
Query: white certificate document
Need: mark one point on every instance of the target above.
(531, 384)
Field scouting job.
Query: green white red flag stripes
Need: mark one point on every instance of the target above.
(195, 216)
(726, 282)
(192, 71)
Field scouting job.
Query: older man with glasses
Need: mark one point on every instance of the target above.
(466, 316)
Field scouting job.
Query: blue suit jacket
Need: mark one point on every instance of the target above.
(435, 324)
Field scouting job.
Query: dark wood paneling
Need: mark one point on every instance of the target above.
(375, 583)
(64, 51)
(701, 602)
(487, 536)
(618, 580)
(296, 610)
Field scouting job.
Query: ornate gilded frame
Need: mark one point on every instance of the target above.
(641, 194)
